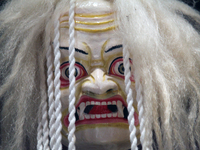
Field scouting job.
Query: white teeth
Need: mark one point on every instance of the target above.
(87, 116)
(120, 109)
(97, 103)
(103, 115)
(114, 103)
(82, 107)
(103, 103)
(83, 116)
(87, 103)
(98, 116)
(109, 115)
(114, 114)
(119, 103)
(120, 115)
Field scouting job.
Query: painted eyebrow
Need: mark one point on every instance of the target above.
(114, 47)
(76, 49)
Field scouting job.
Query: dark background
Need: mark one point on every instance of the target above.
(193, 3)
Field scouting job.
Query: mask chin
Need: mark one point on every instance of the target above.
(102, 138)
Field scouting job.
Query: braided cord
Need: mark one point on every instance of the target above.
(43, 129)
(72, 119)
(39, 133)
(50, 94)
(50, 91)
(139, 99)
(57, 137)
(54, 112)
(128, 90)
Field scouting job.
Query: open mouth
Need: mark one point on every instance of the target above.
(92, 111)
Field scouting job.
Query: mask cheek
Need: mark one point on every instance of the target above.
(64, 99)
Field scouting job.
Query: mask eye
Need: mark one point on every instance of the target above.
(121, 69)
(117, 68)
(80, 72)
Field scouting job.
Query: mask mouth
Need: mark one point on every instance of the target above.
(93, 111)
(96, 110)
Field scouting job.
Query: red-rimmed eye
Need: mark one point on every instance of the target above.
(117, 68)
(80, 72)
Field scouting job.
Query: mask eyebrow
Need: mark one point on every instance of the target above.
(114, 47)
(76, 49)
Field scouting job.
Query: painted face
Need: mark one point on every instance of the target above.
(101, 108)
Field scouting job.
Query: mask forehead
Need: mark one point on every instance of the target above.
(92, 28)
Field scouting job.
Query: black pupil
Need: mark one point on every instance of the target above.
(67, 72)
(121, 68)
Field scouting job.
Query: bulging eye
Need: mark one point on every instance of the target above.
(117, 68)
(121, 68)
(80, 72)
(67, 72)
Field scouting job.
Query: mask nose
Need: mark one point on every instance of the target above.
(99, 83)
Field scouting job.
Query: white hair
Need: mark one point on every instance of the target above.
(163, 38)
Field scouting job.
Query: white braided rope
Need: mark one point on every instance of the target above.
(140, 107)
(129, 99)
(57, 126)
(50, 94)
(39, 132)
(45, 138)
(43, 130)
(72, 119)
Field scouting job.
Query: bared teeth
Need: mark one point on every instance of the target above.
(109, 115)
(109, 103)
(103, 115)
(103, 103)
(120, 109)
(116, 107)
(114, 103)
(87, 116)
(98, 116)
(82, 107)
(114, 114)
(87, 103)
(92, 116)
(97, 103)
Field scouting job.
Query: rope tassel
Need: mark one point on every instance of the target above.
(129, 99)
